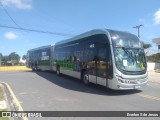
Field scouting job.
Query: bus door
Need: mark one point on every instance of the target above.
(91, 58)
(98, 66)
(101, 65)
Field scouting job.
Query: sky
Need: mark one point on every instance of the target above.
(71, 18)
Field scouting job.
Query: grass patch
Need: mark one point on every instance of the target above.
(1, 93)
(4, 118)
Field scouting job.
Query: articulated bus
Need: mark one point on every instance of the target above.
(110, 58)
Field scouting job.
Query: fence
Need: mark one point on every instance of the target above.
(14, 68)
(153, 66)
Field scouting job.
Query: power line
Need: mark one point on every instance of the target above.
(9, 15)
(26, 29)
(34, 30)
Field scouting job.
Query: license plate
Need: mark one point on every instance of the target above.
(136, 87)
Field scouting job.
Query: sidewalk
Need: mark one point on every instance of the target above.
(154, 76)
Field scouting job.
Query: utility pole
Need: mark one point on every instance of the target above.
(138, 27)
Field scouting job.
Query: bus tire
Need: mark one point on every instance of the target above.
(33, 68)
(85, 78)
(58, 71)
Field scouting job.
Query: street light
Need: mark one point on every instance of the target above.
(138, 27)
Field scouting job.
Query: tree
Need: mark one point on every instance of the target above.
(5, 59)
(1, 55)
(24, 57)
(146, 45)
(14, 58)
(1, 58)
(154, 58)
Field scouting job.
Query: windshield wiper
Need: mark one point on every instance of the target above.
(128, 53)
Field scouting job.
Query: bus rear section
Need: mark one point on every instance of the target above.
(39, 58)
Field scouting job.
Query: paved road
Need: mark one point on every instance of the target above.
(46, 91)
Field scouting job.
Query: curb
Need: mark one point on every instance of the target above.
(155, 82)
(14, 99)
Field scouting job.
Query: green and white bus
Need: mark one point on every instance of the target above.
(110, 58)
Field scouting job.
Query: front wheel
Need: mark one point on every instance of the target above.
(85, 78)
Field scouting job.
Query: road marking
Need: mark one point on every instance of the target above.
(15, 100)
(148, 96)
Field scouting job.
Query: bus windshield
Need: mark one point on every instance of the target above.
(128, 52)
(130, 59)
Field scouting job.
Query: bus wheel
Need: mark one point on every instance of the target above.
(58, 71)
(33, 68)
(85, 78)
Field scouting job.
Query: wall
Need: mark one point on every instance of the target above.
(153, 66)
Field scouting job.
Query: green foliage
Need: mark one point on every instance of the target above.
(4, 60)
(24, 57)
(145, 45)
(1, 93)
(1, 58)
(12, 59)
(1, 55)
(154, 58)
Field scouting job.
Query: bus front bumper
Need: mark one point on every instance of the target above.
(124, 85)
(128, 86)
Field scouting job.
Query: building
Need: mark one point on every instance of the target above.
(157, 42)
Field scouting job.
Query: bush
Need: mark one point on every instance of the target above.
(154, 58)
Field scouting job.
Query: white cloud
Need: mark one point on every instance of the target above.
(21, 4)
(11, 35)
(157, 16)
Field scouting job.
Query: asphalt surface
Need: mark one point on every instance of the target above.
(45, 91)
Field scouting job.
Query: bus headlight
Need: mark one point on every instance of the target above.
(120, 80)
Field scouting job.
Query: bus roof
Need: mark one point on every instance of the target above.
(39, 48)
(83, 35)
(89, 33)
